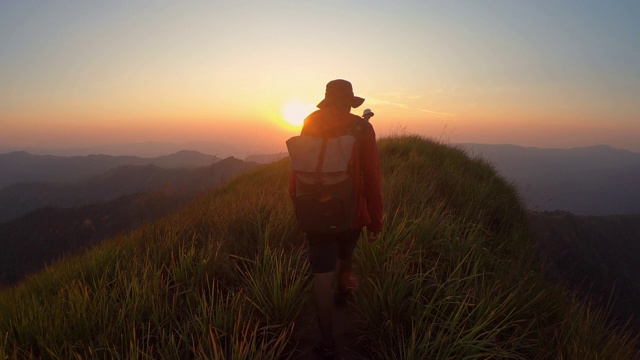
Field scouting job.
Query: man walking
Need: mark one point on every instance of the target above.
(331, 253)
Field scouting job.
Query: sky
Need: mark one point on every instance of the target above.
(235, 74)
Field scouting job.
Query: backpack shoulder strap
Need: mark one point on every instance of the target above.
(356, 127)
(323, 150)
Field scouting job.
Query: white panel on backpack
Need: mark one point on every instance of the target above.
(305, 153)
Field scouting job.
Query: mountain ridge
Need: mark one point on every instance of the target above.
(451, 276)
(22, 166)
(596, 180)
(20, 198)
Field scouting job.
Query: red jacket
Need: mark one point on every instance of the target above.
(366, 162)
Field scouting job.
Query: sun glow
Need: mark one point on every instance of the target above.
(295, 112)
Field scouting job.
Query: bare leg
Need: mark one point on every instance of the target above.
(323, 294)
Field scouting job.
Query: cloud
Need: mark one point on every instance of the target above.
(374, 101)
(437, 113)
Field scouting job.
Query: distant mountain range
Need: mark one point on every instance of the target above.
(76, 181)
(21, 166)
(596, 180)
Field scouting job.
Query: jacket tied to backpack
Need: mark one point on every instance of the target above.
(335, 182)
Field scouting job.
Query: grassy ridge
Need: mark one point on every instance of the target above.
(453, 276)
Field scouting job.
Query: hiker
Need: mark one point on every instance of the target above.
(330, 253)
(367, 114)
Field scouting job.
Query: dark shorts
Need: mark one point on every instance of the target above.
(325, 248)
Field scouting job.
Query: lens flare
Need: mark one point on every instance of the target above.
(295, 112)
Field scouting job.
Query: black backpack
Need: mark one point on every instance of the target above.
(325, 199)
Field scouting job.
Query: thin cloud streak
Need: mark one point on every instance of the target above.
(440, 114)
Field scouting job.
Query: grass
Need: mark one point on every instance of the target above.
(453, 276)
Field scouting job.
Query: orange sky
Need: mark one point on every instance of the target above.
(529, 73)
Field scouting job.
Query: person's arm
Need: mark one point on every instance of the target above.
(372, 178)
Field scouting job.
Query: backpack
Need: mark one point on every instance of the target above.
(325, 198)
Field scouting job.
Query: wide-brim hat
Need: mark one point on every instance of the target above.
(339, 92)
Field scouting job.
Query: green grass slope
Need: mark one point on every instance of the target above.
(453, 277)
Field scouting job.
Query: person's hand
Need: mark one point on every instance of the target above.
(372, 236)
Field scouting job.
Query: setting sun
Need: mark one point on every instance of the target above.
(295, 112)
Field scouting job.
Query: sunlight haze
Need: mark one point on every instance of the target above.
(242, 75)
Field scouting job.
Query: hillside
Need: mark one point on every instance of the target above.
(36, 239)
(118, 201)
(453, 276)
(597, 256)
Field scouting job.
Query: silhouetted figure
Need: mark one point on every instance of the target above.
(330, 251)
(367, 114)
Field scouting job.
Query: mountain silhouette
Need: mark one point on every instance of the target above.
(20, 166)
(596, 180)
(17, 199)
